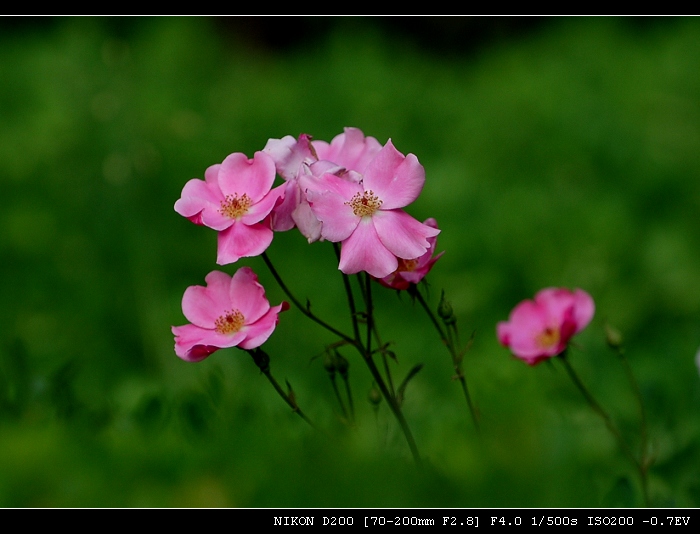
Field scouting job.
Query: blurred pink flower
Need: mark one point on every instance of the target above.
(235, 198)
(413, 271)
(363, 212)
(540, 329)
(228, 312)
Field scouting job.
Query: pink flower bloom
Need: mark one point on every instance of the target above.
(413, 271)
(364, 213)
(350, 150)
(228, 312)
(234, 198)
(541, 329)
(302, 162)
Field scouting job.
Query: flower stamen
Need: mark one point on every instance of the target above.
(549, 338)
(365, 204)
(234, 207)
(407, 265)
(230, 323)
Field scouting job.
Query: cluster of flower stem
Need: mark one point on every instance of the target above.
(366, 341)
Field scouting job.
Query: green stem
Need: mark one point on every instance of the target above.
(339, 398)
(348, 392)
(351, 305)
(393, 405)
(262, 360)
(597, 408)
(365, 290)
(644, 436)
(370, 313)
(449, 343)
(303, 309)
(366, 355)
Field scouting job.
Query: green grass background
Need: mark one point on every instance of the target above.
(564, 155)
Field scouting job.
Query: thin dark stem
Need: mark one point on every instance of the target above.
(457, 364)
(292, 403)
(351, 300)
(372, 327)
(370, 312)
(597, 408)
(395, 408)
(349, 394)
(339, 398)
(644, 436)
(262, 360)
(303, 309)
(387, 371)
(366, 355)
(433, 319)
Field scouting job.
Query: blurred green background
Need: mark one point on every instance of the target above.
(558, 152)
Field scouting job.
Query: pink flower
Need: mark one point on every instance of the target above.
(541, 329)
(350, 150)
(302, 162)
(228, 312)
(413, 271)
(234, 198)
(363, 212)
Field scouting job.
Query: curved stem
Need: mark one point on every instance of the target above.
(644, 436)
(370, 313)
(262, 360)
(456, 360)
(393, 405)
(351, 299)
(597, 408)
(303, 309)
(366, 355)
(339, 398)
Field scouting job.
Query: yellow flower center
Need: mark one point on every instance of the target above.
(230, 323)
(234, 206)
(365, 204)
(548, 338)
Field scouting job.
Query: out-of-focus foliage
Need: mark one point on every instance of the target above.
(563, 154)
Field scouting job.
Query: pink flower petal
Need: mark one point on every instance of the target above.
(332, 209)
(306, 221)
(200, 202)
(363, 251)
(282, 213)
(403, 235)
(395, 179)
(584, 309)
(203, 305)
(351, 149)
(257, 212)
(261, 330)
(241, 241)
(247, 295)
(193, 343)
(289, 153)
(254, 177)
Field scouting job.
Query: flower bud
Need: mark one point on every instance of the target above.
(341, 364)
(613, 337)
(445, 310)
(374, 397)
(329, 363)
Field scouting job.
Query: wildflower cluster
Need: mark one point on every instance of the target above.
(351, 192)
